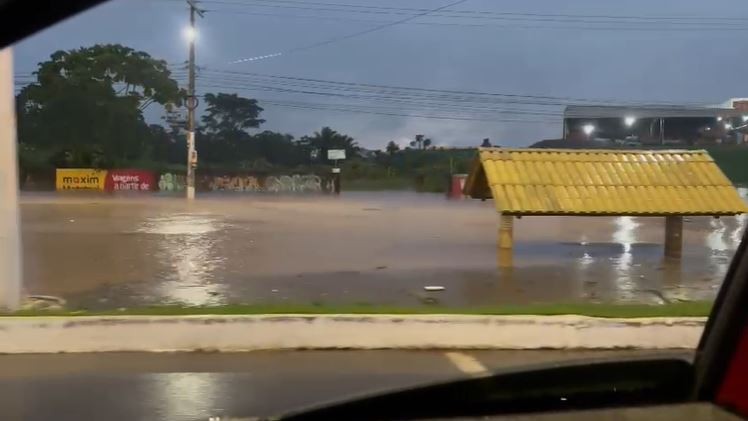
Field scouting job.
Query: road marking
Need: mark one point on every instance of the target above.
(467, 363)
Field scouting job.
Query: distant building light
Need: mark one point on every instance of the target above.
(629, 121)
(588, 129)
(745, 118)
(708, 128)
(728, 126)
(719, 118)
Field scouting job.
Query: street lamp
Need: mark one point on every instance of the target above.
(588, 129)
(190, 34)
(629, 121)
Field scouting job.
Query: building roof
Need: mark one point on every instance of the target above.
(607, 111)
(602, 182)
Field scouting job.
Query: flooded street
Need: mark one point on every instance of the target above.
(102, 252)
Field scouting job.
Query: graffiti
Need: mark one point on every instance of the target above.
(271, 184)
(294, 183)
(80, 179)
(130, 180)
(238, 183)
(171, 182)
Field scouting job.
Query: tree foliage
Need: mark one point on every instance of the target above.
(230, 113)
(327, 139)
(392, 147)
(88, 104)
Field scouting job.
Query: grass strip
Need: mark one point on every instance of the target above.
(678, 309)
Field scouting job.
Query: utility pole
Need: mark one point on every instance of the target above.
(10, 238)
(191, 103)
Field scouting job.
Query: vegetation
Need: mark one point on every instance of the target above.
(86, 109)
(680, 309)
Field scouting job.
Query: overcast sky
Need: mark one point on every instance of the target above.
(669, 53)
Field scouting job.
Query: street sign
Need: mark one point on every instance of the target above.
(335, 154)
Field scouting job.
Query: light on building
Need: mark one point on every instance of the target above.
(588, 129)
(629, 121)
(745, 118)
(719, 118)
(728, 126)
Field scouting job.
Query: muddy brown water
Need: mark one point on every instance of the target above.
(361, 248)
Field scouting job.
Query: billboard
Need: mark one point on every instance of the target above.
(130, 180)
(80, 179)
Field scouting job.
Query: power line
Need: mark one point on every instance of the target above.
(694, 22)
(721, 28)
(556, 100)
(355, 34)
(348, 108)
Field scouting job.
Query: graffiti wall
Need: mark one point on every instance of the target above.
(144, 181)
(296, 183)
(168, 182)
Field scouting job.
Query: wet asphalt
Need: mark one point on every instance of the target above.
(197, 386)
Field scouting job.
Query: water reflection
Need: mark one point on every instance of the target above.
(187, 245)
(186, 395)
(625, 235)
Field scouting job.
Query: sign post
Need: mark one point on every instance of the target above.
(10, 238)
(336, 155)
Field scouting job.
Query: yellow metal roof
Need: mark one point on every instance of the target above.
(602, 182)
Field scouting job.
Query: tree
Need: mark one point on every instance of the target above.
(230, 113)
(421, 142)
(223, 136)
(88, 103)
(486, 143)
(326, 139)
(392, 147)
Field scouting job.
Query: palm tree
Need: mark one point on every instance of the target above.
(392, 147)
(328, 138)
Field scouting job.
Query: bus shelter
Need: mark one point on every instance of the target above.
(575, 182)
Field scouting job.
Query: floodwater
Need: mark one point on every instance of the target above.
(361, 248)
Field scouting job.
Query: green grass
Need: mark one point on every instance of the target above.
(680, 309)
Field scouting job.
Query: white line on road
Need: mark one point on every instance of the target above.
(467, 363)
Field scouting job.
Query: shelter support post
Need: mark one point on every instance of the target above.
(673, 236)
(506, 234)
(505, 240)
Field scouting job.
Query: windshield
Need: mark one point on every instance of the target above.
(386, 175)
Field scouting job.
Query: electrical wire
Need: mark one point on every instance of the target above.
(349, 36)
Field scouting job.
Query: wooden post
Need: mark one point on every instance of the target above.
(673, 236)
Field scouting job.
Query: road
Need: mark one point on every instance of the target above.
(105, 252)
(196, 386)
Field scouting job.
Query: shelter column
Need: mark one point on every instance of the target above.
(506, 234)
(505, 240)
(673, 236)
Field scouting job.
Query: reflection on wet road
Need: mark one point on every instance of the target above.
(197, 386)
(376, 248)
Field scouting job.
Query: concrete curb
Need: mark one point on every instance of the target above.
(276, 332)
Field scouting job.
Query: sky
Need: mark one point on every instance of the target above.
(577, 51)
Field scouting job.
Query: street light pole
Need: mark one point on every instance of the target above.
(191, 104)
(10, 238)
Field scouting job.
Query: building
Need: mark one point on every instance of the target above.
(646, 125)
